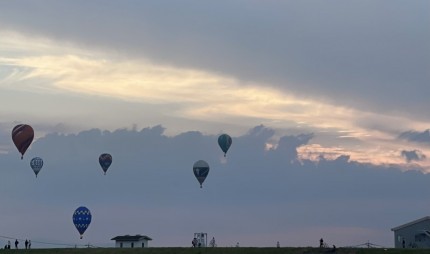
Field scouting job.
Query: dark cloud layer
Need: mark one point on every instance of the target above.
(416, 136)
(373, 55)
(150, 189)
(414, 155)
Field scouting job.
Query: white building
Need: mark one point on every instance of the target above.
(131, 241)
(201, 239)
(414, 234)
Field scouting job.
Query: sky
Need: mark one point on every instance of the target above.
(326, 102)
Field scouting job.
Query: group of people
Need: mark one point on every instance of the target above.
(196, 243)
(27, 244)
(324, 245)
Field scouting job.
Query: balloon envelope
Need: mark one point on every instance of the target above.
(82, 219)
(201, 171)
(224, 141)
(36, 164)
(22, 136)
(105, 160)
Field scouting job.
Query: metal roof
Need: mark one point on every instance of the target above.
(131, 238)
(411, 223)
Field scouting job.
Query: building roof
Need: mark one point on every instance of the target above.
(131, 238)
(411, 223)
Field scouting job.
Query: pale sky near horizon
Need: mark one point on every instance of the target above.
(341, 80)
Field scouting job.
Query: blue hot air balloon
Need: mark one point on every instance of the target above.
(224, 141)
(36, 164)
(82, 219)
(201, 171)
(105, 160)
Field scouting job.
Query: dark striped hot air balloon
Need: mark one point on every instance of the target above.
(105, 160)
(22, 136)
(201, 171)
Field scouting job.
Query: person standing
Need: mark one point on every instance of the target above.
(16, 244)
(212, 242)
(26, 244)
(29, 244)
(321, 243)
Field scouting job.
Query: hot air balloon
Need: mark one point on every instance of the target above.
(82, 219)
(105, 160)
(224, 141)
(22, 136)
(201, 171)
(36, 164)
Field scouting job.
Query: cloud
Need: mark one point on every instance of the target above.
(414, 155)
(194, 93)
(83, 87)
(288, 145)
(322, 51)
(416, 136)
(88, 75)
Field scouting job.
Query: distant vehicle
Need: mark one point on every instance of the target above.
(36, 164)
(22, 136)
(82, 219)
(201, 171)
(224, 142)
(105, 161)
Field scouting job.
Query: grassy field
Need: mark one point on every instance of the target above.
(216, 251)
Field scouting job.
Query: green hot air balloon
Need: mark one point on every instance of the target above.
(224, 141)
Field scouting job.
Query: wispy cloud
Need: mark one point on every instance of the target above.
(200, 94)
